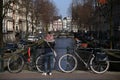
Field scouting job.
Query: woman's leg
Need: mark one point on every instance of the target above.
(51, 64)
(46, 64)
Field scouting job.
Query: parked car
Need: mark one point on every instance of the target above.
(10, 47)
(32, 38)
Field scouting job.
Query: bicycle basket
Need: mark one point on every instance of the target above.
(84, 45)
(101, 56)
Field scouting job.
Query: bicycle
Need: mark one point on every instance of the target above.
(16, 62)
(68, 62)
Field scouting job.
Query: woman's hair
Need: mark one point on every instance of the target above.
(49, 32)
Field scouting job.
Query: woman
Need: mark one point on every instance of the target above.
(49, 46)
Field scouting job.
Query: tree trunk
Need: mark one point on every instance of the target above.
(27, 24)
(1, 20)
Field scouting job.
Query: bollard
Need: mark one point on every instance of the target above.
(1, 61)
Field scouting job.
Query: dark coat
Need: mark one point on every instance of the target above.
(48, 48)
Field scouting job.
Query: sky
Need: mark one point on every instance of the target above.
(62, 6)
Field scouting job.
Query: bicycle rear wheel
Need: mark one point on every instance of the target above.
(99, 67)
(15, 63)
(67, 63)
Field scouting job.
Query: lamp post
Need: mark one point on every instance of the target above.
(111, 26)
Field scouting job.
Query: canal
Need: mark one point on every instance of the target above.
(61, 46)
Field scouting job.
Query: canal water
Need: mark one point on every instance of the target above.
(61, 46)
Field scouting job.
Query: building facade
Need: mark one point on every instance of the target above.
(64, 24)
(15, 19)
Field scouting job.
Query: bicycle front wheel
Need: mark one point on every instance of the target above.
(40, 63)
(67, 63)
(15, 63)
(99, 67)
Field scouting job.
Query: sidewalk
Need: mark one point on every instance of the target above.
(76, 75)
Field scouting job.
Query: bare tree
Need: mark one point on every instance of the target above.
(28, 5)
(81, 12)
(45, 10)
(1, 20)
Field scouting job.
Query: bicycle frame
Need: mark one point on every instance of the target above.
(28, 60)
(81, 59)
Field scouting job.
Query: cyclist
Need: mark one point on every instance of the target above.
(49, 45)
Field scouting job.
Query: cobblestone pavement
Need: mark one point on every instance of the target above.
(76, 75)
